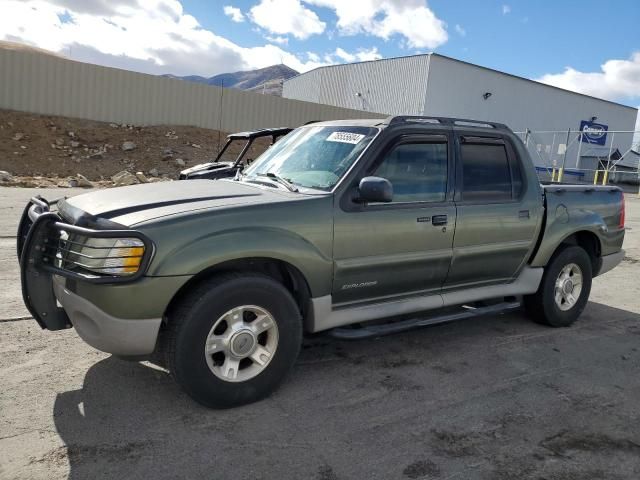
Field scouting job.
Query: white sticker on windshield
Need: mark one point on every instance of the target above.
(345, 137)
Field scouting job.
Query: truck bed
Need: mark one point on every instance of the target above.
(592, 210)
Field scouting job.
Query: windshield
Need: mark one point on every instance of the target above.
(312, 157)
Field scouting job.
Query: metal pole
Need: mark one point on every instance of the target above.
(613, 136)
(638, 179)
(566, 148)
(579, 151)
(553, 144)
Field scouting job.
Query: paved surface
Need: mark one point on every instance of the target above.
(495, 398)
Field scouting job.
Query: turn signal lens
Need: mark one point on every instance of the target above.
(125, 257)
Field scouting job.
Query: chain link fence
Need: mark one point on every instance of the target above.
(572, 156)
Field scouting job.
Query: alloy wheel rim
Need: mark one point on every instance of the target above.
(568, 287)
(241, 343)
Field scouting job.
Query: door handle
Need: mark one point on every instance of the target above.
(523, 214)
(439, 220)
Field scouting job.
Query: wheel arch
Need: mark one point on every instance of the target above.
(279, 270)
(588, 241)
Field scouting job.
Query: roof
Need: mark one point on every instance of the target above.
(454, 122)
(600, 152)
(411, 119)
(470, 64)
(630, 160)
(351, 122)
(264, 132)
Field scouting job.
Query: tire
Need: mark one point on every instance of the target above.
(227, 377)
(544, 307)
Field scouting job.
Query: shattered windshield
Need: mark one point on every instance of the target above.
(312, 156)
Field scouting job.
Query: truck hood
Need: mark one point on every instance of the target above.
(128, 206)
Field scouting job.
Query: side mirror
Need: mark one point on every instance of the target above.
(375, 189)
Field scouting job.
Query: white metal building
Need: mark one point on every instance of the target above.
(436, 85)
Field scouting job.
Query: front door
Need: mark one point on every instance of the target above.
(386, 250)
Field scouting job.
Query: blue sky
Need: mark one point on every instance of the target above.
(531, 39)
(588, 46)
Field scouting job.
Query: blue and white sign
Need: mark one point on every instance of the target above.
(593, 133)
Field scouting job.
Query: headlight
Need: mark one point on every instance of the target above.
(112, 256)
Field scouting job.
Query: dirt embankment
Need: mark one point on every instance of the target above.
(50, 150)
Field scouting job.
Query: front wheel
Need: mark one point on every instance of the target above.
(233, 340)
(564, 290)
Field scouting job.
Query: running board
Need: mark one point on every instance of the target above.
(404, 325)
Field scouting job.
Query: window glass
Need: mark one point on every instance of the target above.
(516, 178)
(485, 172)
(417, 171)
(312, 156)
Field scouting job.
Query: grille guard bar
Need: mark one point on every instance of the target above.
(37, 265)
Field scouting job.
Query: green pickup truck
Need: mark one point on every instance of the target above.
(356, 227)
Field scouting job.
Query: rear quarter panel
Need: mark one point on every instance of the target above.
(575, 208)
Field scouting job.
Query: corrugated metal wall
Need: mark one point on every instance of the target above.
(456, 90)
(395, 86)
(38, 83)
(305, 87)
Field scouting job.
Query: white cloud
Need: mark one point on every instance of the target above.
(151, 36)
(506, 9)
(277, 39)
(461, 31)
(411, 19)
(617, 80)
(362, 55)
(234, 13)
(285, 17)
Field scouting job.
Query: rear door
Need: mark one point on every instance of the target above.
(383, 250)
(497, 219)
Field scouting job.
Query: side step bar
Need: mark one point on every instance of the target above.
(404, 325)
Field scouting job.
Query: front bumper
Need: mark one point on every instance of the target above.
(104, 331)
(56, 296)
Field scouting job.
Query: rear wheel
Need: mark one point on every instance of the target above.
(564, 290)
(233, 340)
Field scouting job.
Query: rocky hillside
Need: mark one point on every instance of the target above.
(50, 147)
(264, 80)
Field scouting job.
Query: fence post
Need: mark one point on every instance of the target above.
(579, 150)
(553, 144)
(613, 136)
(566, 147)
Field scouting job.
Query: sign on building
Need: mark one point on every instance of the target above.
(593, 133)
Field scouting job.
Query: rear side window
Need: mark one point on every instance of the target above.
(487, 173)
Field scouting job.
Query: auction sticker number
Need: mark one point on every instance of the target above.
(345, 137)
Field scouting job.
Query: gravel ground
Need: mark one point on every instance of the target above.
(492, 398)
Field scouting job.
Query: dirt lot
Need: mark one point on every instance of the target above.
(493, 398)
(58, 147)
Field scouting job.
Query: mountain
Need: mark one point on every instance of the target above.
(263, 80)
